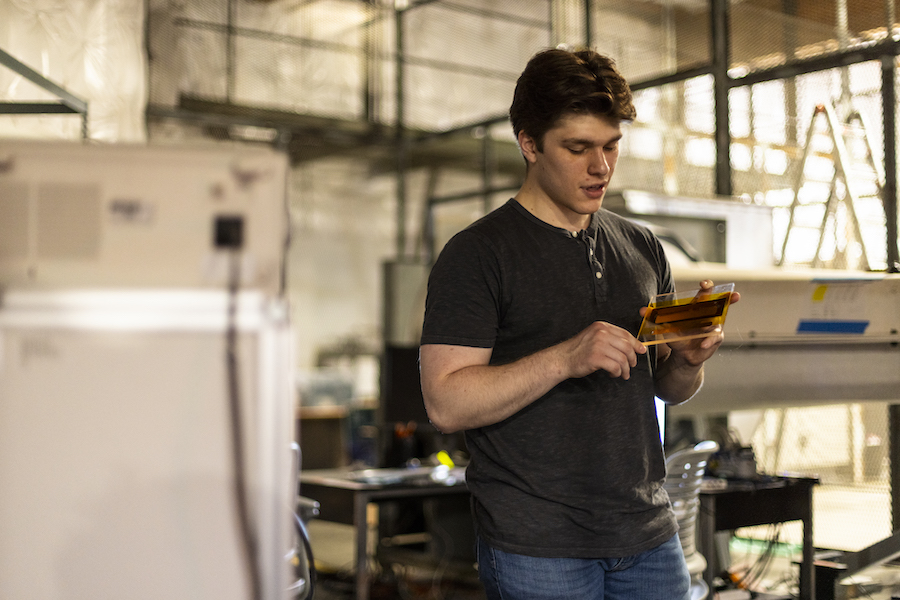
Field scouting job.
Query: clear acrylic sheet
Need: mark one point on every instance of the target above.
(685, 315)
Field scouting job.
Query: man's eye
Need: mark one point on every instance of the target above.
(576, 150)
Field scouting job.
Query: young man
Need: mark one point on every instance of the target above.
(529, 346)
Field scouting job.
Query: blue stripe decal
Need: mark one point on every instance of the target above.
(821, 326)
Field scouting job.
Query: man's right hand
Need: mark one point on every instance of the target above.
(602, 346)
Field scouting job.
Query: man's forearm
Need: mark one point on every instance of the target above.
(462, 391)
(677, 380)
(478, 395)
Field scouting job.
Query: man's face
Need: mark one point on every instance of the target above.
(575, 167)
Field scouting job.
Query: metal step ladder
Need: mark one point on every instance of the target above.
(846, 225)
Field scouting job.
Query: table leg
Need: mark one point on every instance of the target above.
(707, 533)
(360, 504)
(807, 568)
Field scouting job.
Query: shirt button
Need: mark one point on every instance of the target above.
(599, 274)
(574, 234)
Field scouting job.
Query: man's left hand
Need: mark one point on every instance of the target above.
(681, 362)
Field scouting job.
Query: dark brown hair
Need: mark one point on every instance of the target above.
(557, 83)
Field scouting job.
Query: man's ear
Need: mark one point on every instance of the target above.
(528, 147)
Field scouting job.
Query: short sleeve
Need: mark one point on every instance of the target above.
(464, 290)
(666, 278)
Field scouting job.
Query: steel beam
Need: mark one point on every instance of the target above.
(76, 104)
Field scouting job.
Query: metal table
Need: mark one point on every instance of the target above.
(344, 497)
(750, 503)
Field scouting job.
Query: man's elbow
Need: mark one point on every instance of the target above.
(437, 397)
(442, 421)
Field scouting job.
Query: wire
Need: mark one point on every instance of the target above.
(758, 569)
(251, 553)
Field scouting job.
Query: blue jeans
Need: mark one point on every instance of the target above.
(657, 574)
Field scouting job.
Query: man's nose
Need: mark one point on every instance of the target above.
(599, 164)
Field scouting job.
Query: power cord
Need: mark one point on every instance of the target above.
(753, 575)
(251, 551)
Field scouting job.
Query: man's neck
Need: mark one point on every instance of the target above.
(542, 207)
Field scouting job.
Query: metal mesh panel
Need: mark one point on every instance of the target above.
(650, 39)
(767, 33)
(828, 201)
(669, 148)
(846, 445)
(463, 59)
(309, 57)
(299, 57)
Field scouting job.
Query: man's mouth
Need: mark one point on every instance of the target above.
(594, 190)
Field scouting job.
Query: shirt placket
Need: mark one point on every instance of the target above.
(596, 269)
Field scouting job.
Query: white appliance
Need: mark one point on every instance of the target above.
(720, 229)
(127, 215)
(800, 337)
(130, 373)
